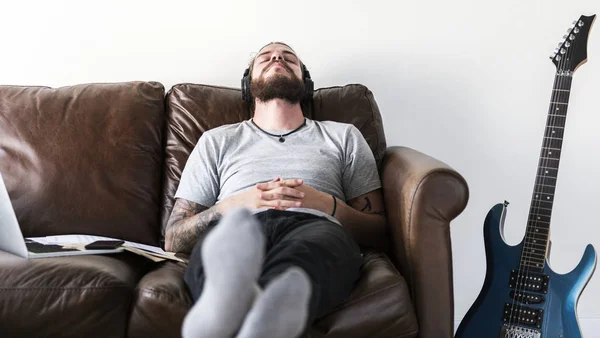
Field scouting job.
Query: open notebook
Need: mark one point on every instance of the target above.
(12, 241)
(11, 238)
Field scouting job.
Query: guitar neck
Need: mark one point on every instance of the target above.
(538, 223)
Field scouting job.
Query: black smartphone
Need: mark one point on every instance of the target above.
(111, 244)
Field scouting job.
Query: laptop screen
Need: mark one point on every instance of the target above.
(11, 237)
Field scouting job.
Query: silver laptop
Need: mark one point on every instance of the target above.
(12, 241)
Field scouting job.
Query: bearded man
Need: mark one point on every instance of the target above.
(274, 211)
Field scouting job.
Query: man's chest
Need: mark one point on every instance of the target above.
(312, 163)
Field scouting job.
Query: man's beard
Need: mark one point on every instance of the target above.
(278, 86)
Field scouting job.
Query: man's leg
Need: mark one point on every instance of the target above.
(323, 249)
(281, 310)
(222, 275)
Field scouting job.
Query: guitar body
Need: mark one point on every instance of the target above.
(559, 320)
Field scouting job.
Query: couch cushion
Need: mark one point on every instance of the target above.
(379, 306)
(193, 109)
(77, 296)
(84, 159)
(161, 302)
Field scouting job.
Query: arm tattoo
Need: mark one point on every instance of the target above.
(367, 207)
(188, 221)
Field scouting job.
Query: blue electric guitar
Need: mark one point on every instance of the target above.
(521, 296)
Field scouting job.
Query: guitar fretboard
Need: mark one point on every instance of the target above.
(538, 223)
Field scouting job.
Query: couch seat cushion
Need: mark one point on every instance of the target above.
(161, 302)
(379, 306)
(78, 296)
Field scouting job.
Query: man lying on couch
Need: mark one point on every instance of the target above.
(273, 210)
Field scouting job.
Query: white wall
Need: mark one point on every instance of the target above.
(466, 81)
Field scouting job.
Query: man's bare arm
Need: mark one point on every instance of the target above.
(187, 222)
(364, 217)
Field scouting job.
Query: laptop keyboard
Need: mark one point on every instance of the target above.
(45, 248)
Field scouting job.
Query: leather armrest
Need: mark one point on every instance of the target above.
(161, 302)
(422, 195)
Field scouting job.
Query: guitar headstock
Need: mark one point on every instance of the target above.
(572, 50)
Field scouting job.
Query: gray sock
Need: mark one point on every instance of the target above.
(232, 257)
(281, 311)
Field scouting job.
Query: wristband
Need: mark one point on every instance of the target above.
(334, 205)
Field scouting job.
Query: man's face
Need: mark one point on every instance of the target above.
(277, 73)
(276, 59)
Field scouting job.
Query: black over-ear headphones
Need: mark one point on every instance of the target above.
(309, 85)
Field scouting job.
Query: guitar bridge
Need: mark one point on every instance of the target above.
(518, 332)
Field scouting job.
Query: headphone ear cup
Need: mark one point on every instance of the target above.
(246, 94)
(309, 85)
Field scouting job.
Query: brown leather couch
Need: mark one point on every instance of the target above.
(106, 159)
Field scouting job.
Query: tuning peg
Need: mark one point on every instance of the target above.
(574, 21)
(572, 37)
(569, 30)
(576, 30)
(558, 57)
(567, 44)
(580, 23)
(562, 50)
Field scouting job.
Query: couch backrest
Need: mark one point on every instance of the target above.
(193, 109)
(85, 158)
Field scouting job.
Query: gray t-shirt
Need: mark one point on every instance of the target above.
(329, 156)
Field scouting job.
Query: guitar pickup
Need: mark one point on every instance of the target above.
(527, 281)
(522, 315)
(526, 298)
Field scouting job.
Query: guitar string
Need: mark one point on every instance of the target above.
(567, 80)
(560, 80)
(523, 273)
(537, 198)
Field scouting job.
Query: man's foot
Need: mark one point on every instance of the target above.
(281, 311)
(232, 257)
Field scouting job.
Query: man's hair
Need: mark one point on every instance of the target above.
(251, 64)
